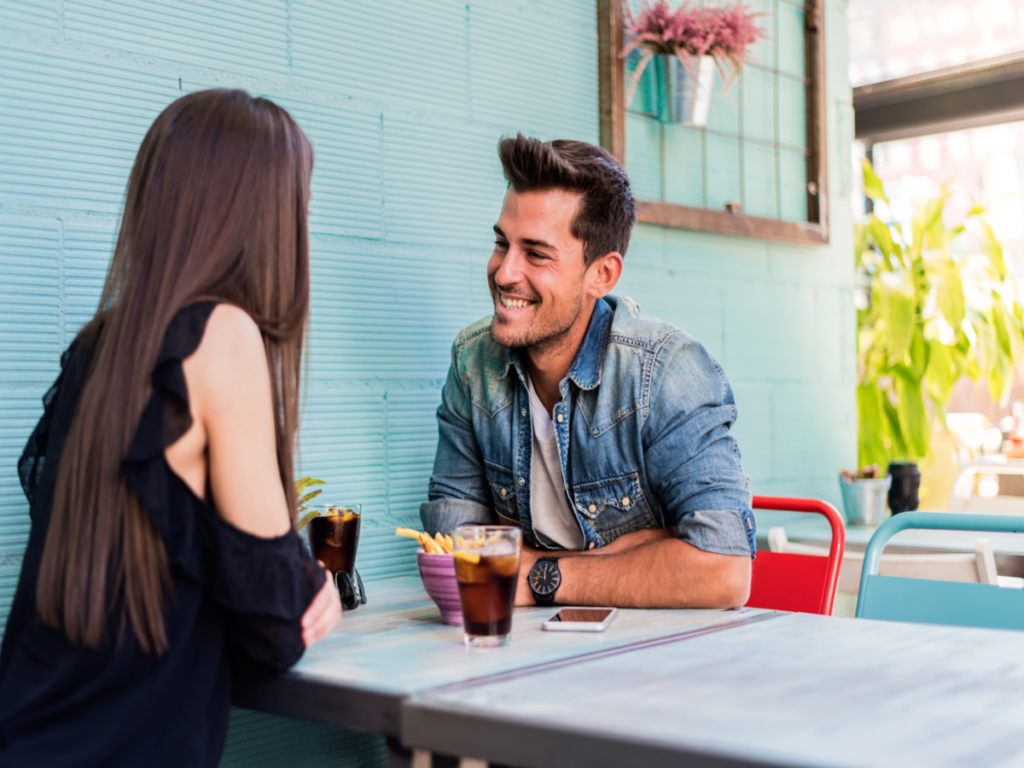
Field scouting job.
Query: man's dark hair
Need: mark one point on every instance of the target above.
(606, 215)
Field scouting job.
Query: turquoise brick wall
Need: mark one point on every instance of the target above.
(404, 102)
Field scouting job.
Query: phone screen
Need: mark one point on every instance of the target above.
(589, 615)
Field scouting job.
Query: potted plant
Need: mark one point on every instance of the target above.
(688, 44)
(935, 304)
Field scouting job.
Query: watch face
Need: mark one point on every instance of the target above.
(545, 578)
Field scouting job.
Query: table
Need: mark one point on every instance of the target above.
(812, 529)
(798, 690)
(396, 646)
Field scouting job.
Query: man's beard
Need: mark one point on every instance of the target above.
(537, 339)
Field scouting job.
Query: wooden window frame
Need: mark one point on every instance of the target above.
(612, 84)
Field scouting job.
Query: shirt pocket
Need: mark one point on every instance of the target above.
(613, 506)
(503, 492)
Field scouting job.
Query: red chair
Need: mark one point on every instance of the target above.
(802, 583)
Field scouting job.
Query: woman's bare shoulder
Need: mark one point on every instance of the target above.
(229, 386)
(231, 358)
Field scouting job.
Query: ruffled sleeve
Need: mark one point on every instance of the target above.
(33, 458)
(265, 585)
(30, 465)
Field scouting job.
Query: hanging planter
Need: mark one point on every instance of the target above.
(684, 96)
(688, 44)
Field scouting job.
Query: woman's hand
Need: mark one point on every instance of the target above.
(323, 614)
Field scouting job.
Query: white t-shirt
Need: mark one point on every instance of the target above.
(553, 520)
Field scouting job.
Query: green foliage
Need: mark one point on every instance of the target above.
(301, 486)
(934, 316)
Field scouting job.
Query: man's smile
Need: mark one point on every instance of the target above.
(514, 302)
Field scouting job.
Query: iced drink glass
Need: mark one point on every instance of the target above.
(334, 536)
(487, 569)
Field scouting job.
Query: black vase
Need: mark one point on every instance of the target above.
(906, 482)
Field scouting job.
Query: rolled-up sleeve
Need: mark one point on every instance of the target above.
(692, 459)
(459, 493)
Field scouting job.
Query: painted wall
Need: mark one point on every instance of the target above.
(404, 102)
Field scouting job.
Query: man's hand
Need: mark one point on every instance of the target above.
(527, 557)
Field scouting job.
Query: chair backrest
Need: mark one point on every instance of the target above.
(798, 582)
(978, 567)
(938, 602)
(962, 498)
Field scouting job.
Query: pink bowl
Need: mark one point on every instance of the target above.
(438, 574)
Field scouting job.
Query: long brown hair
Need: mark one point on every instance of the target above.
(215, 208)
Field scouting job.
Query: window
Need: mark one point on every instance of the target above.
(757, 168)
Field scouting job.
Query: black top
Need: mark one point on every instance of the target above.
(237, 604)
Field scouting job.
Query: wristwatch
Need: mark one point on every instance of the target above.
(544, 580)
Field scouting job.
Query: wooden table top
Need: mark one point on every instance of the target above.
(798, 690)
(396, 646)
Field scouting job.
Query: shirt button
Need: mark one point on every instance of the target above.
(592, 508)
(625, 501)
(559, 418)
(523, 411)
(590, 545)
(504, 492)
(522, 481)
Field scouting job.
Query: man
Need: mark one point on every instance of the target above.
(602, 432)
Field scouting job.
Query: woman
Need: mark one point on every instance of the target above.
(161, 554)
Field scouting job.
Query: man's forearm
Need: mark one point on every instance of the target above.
(666, 573)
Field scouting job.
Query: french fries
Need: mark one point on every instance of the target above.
(439, 545)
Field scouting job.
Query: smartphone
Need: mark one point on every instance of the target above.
(581, 620)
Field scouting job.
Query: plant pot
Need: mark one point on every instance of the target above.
(906, 482)
(683, 98)
(864, 500)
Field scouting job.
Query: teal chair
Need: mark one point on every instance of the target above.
(938, 602)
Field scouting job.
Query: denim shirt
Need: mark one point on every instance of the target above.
(642, 427)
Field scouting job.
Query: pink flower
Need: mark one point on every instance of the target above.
(725, 33)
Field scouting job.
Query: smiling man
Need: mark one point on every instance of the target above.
(600, 431)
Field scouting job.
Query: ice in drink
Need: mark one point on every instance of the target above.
(487, 570)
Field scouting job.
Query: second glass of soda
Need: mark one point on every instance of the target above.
(487, 569)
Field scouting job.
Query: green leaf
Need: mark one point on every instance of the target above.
(872, 426)
(991, 247)
(914, 424)
(1016, 339)
(304, 520)
(1000, 381)
(311, 495)
(895, 294)
(306, 482)
(942, 372)
(860, 242)
(899, 450)
(918, 354)
(929, 229)
(939, 409)
(985, 349)
(872, 184)
(1000, 323)
(972, 370)
(879, 234)
(944, 276)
